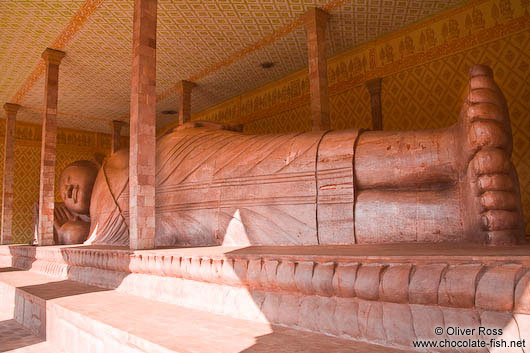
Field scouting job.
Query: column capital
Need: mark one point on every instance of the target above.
(117, 124)
(184, 85)
(316, 15)
(53, 56)
(11, 108)
(374, 85)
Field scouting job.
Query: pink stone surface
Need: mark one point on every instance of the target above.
(346, 313)
(367, 283)
(495, 320)
(335, 188)
(309, 307)
(325, 319)
(322, 278)
(303, 276)
(184, 89)
(143, 127)
(426, 319)
(457, 286)
(394, 284)
(463, 318)
(285, 276)
(344, 279)
(315, 25)
(523, 322)
(370, 315)
(424, 283)
(52, 60)
(9, 167)
(289, 310)
(496, 286)
(398, 323)
(522, 294)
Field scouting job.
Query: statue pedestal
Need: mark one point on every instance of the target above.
(389, 295)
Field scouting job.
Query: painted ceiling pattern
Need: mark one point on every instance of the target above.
(217, 43)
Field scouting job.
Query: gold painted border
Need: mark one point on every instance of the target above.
(63, 114)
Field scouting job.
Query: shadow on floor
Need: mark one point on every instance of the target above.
(59, 289)
(9, 269)
(14, 336)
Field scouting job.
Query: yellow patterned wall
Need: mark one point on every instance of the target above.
(351, 109)
(425, 72)
(72, 145)
(293, 120)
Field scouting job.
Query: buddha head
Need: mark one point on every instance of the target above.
(75, 185)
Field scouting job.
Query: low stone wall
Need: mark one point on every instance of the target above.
(385, 300)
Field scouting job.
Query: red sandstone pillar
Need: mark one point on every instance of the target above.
(143, 127)
(52, 59)
(9, 166)
(315, 25)
(116, 126)
(184, 100)
(374, 87)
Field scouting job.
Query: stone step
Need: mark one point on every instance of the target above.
(76, 318)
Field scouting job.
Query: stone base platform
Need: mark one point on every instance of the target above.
(389, 295)
(77, 318)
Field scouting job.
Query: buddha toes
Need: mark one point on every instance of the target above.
(490, 184)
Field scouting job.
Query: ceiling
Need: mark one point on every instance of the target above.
(218, 44)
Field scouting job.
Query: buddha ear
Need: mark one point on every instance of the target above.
(69, 190)
(75, 191)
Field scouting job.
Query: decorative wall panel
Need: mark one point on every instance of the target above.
(351, 109)
(26, 190)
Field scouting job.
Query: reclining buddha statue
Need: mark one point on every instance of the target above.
(218, 186)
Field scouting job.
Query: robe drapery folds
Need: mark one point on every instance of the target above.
(221, 187)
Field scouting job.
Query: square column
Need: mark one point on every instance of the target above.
(315, 21)
(143, 127)
(116, 126)
(9, 166)
(52, 60)
(184, 100)
(374, 87)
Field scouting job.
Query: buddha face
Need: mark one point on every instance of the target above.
(75, 185)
